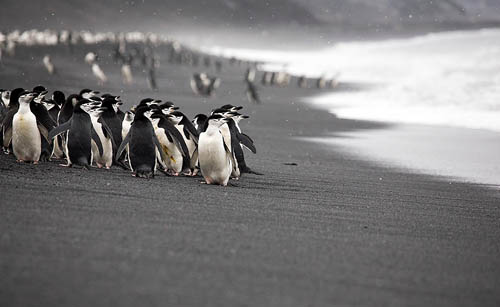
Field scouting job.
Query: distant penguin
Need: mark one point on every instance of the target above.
(215, 156)
(26, 139)
(80, 134)
(321, 82)
(252, 93)
(250, 74)
(302, 82)
(127, 73)
(197, 84)
(99, 74)
(47, 62)
(143, 145)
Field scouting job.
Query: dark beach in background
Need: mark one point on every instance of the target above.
(330, 230)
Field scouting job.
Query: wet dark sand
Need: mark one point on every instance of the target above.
(331, 230)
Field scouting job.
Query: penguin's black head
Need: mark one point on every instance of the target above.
(14, 97)
(145, 102)
(58, 97)
(158, 114)
(200, 117)
(27, 97)
(167, 104)
(139, 112)
(230, 107)
(115, 98)
(81, 105)
(219, 111)
(39, 89)
(216, 119)
(73, 99)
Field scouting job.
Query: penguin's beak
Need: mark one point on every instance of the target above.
(175, 108)
(245, 116)
(238, 108)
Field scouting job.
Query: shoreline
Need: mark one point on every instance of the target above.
(330, 230)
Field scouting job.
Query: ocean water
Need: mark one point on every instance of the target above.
(450, 78)
(441, 91)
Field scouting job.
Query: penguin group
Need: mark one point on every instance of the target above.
(89, 128)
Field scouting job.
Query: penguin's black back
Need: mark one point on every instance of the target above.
(79, 139)
(141, 146)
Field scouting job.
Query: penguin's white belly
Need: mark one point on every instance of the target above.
(215, 165)
(106, 159)
(26, 142)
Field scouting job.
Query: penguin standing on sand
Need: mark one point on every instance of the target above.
(142, 143)
(43, 117)
(54, 104)
(126, 123)
(190, 135)
(111, 119)
(79, 136)
(252, 93)
(26, 140)
(7, 121)
(173, 145)
(92, 59)
(106, 158)
(4, 108)
(215, 156)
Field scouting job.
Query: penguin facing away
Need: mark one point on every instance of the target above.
(143, 145)
(80, 134)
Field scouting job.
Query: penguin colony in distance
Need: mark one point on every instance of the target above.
(88, 128)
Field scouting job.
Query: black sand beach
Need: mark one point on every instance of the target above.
(330, 230)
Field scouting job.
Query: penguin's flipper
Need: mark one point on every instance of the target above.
(107, 132)
(7, 136)
(59, 129)
(42, 116)
(123, 145)
(160, 149)
(246, 141)
(189, 129)
(174, 135)
(96, 139)
(44, 132)
(229, 152)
